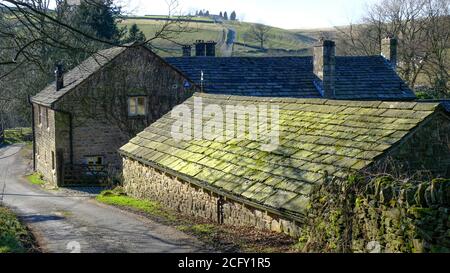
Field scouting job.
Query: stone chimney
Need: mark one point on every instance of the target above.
(187, 51)
(389, 50)
(325, 67)
(211, 49)
(203, 48)
(59, 75)
(200, 48)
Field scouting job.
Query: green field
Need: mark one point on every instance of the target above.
(194, 31)
(280, 40)
(165, 17)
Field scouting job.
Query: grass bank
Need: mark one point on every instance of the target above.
(119, 199)
(18, 135)
(223, 238)
(36, 179)
(14, 237)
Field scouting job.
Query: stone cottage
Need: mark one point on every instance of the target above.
(239, 181)
(89, 112)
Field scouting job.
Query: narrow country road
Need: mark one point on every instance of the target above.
(69, 223)
(227, 47)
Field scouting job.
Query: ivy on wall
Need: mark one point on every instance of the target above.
(378, 214)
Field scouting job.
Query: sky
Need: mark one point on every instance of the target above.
(288, 14)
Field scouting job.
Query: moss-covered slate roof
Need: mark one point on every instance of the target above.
(316, 136)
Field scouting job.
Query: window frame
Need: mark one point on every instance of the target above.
(95, 167)
(40, 115)
(136, 106)
(53, 161)
(47, 119)
(101, 157)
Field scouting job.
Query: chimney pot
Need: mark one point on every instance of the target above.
(200, 48)
(59, 74)
(389, 50)
(325, 66)
(203, 48)
(211, 49)
(187, 51)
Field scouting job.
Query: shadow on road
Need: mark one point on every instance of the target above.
(41, 218)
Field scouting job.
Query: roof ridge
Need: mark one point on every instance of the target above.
(384, 104)
(79, 74)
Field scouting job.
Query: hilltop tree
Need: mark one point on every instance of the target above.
(135, 35)
(233, 16)
(225, 15)
(260, 34)
(99, 18)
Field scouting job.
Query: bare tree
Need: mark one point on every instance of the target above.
(260, 34)
(437, 65)
(36, 34)
(419, 25)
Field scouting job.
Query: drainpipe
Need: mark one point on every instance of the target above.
(34, 133)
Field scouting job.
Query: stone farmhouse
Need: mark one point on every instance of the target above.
(239, 182)
(82, 118)
(88, 113)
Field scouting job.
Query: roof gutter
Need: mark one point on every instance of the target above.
(298, 217)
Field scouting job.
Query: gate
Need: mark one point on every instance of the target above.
(84, 175)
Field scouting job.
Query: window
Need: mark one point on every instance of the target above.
(94, 163)
(40, 114)
(46, 118)
(137, 106)
(53, 160)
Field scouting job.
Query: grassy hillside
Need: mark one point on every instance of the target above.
(281, 41)
(197, 31)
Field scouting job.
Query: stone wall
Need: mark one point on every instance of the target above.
(379, 215)
(428, 150)
(45, 143)
(144, 182)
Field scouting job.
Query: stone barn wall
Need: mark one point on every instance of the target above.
(100, 105)
(99, 126)
(144, 182)
(427, 150)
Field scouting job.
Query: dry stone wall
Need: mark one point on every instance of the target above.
(45, 142)
(144, 182)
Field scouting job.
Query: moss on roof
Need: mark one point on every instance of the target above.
(316, 136)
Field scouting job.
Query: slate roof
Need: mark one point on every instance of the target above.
(360, 78)
(446, 104)
(316, 135)
(77, 75)
(357, 78)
